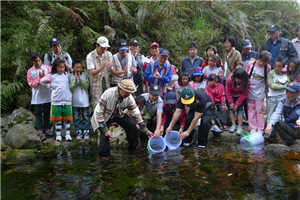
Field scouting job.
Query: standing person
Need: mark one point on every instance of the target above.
(138, 78)
(183, 82)
(247, 54)
(200, 107)
(159, 72)
(293, 70)
(55, 53)
(233, 57)
(98, 63)
(278, 46)
(79, 85)
(111, 109)
(124, 64)
(41, 95)
(296, 41)
(213, 67)
(237, 89)
(198, 79)
(258, 76)
(289, 129)
(61, 98)
(277, 83)
(192, 60)
(211, 49)
(168, 111)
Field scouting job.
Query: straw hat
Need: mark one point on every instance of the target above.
(127, 85)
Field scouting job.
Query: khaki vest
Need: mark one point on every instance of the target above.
(128, 74)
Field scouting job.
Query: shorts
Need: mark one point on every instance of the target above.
(61, 112)
(240, 110)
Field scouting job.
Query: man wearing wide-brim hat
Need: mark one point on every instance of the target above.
(110, 109)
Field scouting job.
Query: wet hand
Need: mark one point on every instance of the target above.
(268, 129)
(184, 134)
(149, 134)
(108, 134)
(157, 133)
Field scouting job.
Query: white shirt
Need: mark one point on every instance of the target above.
(278, 79)
(80, 97)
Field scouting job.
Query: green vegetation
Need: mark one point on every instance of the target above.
(27, 26)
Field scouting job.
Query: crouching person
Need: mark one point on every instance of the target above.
(110, 109)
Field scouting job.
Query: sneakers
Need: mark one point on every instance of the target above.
(215, 128)
(58, 138)
(68, 138)
(239, 130)
(232, 128)
(186, 144)
(49, 132)
(79, 135)
(201, 146)
(86, 134)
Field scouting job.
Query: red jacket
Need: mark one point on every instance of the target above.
(217, 93)
(236, 91)
(167, 111)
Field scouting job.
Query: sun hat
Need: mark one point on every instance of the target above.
(103, 42)
(127, 85)
(187, 95)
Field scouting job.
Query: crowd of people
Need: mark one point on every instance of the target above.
(148, 97)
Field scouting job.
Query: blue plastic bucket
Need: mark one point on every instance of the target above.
(173, 140)
(156, 145)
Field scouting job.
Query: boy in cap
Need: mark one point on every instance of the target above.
(98, 63)
(55, 53)
(200, 107)
(289, 129)
(111, 109)
(124, 64)
(247, 54)
(279, 46)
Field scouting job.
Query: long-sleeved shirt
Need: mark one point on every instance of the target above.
(168, 112)
(217, 93)
(278, 83)
(237, 92)
(79, 88)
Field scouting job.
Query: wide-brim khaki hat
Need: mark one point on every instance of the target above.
(127, 85)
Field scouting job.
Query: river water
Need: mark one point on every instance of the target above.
(220, 171)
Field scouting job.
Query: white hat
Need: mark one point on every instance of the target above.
(103, 42)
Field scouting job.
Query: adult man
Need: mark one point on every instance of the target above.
(154, 105)
(279, 46)
(98, 63)
(110, 109)
(138, 78)
(247, 54)
(192, 60)
(159, 72)
(56, 52)
(289, 129)
(124, 64)
(296, 41)
(154, 50)
(200, 107)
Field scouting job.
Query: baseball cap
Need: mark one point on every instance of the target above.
(246, 44)
(54, 41)
(103, 42)
(293, 87)
(155, 89)
(274, 27)
(171, 97)
(197, 71)
(134, 42)
(154, 44)
(187, 95)
(122, 44)
(164, 52)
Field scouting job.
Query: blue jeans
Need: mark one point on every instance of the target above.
(81, 118)
(272, 104)
(240, 110)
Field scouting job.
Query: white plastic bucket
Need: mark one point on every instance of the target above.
(173, 140)
(156, 145)
(252, 139)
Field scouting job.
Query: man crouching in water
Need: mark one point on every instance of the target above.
(110, 109)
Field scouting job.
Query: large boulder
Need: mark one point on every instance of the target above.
(20, 116)
(4, 124)
(22, 136)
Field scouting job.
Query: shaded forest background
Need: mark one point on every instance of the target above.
(27, 26)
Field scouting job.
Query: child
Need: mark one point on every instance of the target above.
(198, 79)
(293, 70)
(257, 71)
(79, 84)
(41, 95)
(277, 83)
(140, 102)
(215, 91)
(184, 81)
(61, 98)
(213, 67)
(210, 50)
(237, 89)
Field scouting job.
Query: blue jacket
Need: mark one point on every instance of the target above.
(289, 113)
(187, 66)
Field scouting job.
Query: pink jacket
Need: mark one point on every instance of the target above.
(236, 91)
(33, 77)
(217, 93)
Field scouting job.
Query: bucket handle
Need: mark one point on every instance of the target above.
(248, 137)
